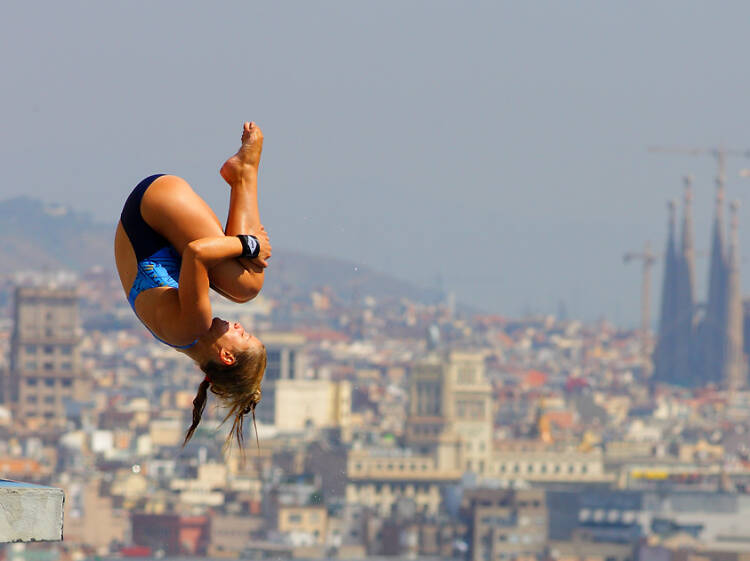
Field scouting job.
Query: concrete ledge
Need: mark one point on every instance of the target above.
(30, 513)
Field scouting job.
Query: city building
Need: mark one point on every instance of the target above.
(45, 370)
(505, 523)
(379, 478)
(299, 404)
(285, 356)
(450, 414)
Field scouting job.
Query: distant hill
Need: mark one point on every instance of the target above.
(295, 273)
(35, 235)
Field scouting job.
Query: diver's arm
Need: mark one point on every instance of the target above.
(211, 251)
(197, 258)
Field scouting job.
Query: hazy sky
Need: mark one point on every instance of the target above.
(502, 146)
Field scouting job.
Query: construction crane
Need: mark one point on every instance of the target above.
(647, 257)
(718, 152)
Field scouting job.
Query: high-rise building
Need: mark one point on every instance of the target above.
(45, 370)
(293, 402)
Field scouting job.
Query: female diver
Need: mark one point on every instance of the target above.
(170, 248)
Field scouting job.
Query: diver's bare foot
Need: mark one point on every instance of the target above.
(247, 158)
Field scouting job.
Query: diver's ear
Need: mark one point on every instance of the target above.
(226, 357)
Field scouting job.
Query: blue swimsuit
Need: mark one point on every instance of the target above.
(158, 262)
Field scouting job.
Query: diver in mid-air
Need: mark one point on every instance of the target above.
(170, 248)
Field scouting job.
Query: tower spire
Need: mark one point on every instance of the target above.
(688, 246)
(714, 323)
(665, 347)
(684, 370)
(734, 376)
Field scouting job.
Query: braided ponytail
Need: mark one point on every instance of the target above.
(199, 404)
(238, 388)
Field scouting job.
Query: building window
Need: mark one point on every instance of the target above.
(48, 332)
(461, 409)
(294, 518)
(30, 365)
(49, 349)
(50, 399)
(49, 382)
(31, 381)
(49, 366)
(67, 382)
(31, 399)
(466, 375)
(31, 349)
(66, 366)
(66, 349)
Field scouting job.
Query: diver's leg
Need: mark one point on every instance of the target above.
(174, 210)
(241, 172)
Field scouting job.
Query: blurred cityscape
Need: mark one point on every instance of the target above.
(391, 427)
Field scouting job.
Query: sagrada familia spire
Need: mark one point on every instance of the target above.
(695, 349)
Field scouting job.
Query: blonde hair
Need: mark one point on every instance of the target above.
(237, 385)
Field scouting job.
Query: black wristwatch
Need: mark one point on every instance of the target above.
(250, 245)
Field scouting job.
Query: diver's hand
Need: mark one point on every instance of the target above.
(265, 247)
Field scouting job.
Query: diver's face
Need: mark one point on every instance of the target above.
(233, 337)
